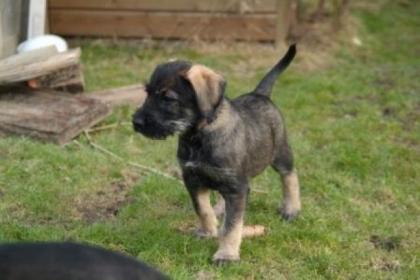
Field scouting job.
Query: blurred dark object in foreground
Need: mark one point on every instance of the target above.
(70, 261)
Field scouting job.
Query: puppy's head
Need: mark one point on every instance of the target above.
(179, 97)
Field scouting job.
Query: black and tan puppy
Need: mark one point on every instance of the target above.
(222, 143)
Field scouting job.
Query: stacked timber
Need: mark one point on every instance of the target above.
(48, 115)
(37, 96)
(44, 68)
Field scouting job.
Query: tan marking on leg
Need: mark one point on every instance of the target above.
(229, 243)
(291, 194)
(219, 208)
(207, 217)
(253, 230)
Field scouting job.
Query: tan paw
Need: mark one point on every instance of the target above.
(221, 258)
(289, 212)
(201, 233)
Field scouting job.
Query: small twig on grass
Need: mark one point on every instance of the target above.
(131, 163)
(141, 166)
(108, 126)
(259, 191)
(153, 170)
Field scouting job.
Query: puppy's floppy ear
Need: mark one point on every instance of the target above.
(209, 87)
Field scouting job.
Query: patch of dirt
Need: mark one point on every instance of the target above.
(386, 243)
(385, 196)
(107, 202)
(385, 264)
(389, 112)
(409, 118)
(173, 170)
(412, 144)
(385, 81)
(205, 275)
(188, 227)
(412, 118)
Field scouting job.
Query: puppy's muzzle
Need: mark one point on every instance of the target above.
(139, 122)
(149, 127)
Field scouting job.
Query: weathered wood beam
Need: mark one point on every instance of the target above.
(128, 23)
(266, 6)
(131, 95)
(27, 70)
(47, 115)
(27, 58)
(68, 79)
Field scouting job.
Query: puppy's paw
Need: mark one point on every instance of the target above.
(201, 233)
(289, 213)
(253, 230)
(221, 258)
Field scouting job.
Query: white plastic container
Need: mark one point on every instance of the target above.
(43, 41)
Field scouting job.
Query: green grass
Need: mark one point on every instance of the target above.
(354, 127)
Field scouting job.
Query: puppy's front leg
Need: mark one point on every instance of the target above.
(231, 233)
(208, 221)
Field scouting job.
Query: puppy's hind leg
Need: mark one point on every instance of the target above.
(283, 164)
(219, 207)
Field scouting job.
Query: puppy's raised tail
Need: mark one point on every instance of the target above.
(266, 85)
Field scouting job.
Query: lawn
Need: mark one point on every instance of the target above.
(354, 126)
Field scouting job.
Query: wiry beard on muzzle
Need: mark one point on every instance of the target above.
(155, 131)
(180, 126)
(162, 131)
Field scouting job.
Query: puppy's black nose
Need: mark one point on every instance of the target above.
(138, 122)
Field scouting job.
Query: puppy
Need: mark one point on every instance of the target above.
(69, 261)
(222, 143)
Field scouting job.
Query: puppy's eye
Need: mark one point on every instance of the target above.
(170, 95)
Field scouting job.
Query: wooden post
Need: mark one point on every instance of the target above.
(9, 26)
(320, 9)
(340, 8)
(37, 18)
(282, 21)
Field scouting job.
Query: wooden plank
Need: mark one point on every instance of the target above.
(48, 115)
(162, 25)
(131, 95)
(35, 69)
(69, 79)
(27, 57)
(241, 6)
